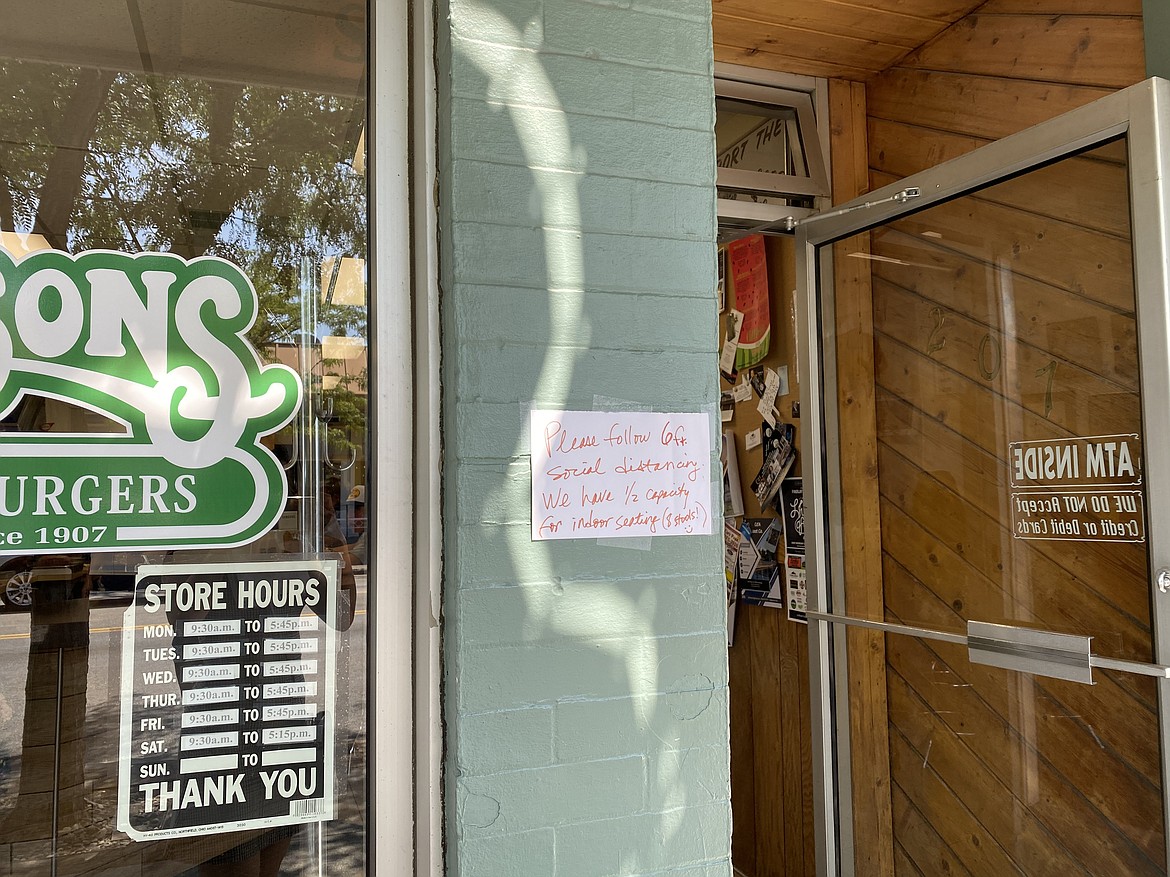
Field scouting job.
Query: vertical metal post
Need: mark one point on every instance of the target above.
(57, 762)
(309, 467)
(391, 478)
(1149, 187)
(812, 404)
(428, 812)
(1156, 27)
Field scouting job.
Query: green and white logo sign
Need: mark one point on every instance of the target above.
(157, 344)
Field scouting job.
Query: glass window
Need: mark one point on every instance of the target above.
(183, 414)
(768, 153)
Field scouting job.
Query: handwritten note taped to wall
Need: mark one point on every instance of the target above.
(602, 474)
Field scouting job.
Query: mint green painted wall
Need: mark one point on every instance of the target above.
(585, 685)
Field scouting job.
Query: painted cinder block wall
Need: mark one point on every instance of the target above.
(585, 684)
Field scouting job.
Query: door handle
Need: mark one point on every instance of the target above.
(1039, 652)
(1042, 653)
(1059, 655)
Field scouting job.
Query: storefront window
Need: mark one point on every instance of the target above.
(183, 414)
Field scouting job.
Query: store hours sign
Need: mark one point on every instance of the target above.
(228, 698)
(157, 344)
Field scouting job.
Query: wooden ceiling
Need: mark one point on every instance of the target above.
(845, 39)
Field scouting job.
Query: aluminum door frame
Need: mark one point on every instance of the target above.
(1141, 113)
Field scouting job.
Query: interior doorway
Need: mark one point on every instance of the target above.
(772, 174)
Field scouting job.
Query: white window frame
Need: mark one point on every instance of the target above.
(805, 95)
(404, 757)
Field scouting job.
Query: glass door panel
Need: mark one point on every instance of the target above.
(1005, 346)
(1013, 497)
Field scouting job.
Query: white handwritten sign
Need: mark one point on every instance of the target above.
(620, 473)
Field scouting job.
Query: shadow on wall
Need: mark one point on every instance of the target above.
(584, 668)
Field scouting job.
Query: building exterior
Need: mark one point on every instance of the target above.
(578, 269)
(283, 290)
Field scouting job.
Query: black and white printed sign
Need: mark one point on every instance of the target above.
(228, 698)
(1079, 489)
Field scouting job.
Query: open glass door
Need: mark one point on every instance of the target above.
(987, 564)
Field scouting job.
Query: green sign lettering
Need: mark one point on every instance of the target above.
(156, 343)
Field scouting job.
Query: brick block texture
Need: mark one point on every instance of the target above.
(585, 683)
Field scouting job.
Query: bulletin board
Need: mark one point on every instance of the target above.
(760, 409)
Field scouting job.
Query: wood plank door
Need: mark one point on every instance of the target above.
(993, 690)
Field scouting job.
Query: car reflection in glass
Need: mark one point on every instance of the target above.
(109, 576)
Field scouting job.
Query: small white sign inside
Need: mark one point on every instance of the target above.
(1074, 489)
(620, 473)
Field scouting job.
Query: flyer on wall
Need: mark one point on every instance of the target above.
(731, 540)
(779, 455)
(791, 504)
(749, 283)
(732, 326)
(761, 582)
(796, 585)
(228, 697)
(732, 492)
(792, 511)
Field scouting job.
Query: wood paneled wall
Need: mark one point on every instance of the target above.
(860, 507)
(1010, 65)
(991, 773)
